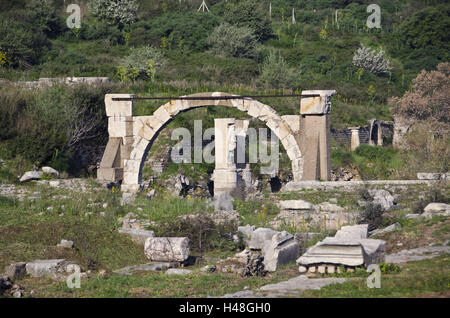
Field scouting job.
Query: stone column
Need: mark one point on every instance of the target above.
(225, 173)
(120, 130)
(354, 143)
(243, 168)
(314, 134)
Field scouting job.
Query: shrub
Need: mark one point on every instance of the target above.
(233, 41)
(141, 63)
(276, 73)
(115, 12)
(372, 215)
(371, 60)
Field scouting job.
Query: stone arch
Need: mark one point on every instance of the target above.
(375, 133)
(147, 128)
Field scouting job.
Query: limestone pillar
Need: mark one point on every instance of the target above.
(243, 168)
(225, 173)
(354, 143)
(120, 130)
(314, 134)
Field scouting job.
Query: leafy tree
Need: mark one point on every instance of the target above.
(233, 41)
(250, 14)
(42, 15)
(371, 60)
(115, 12)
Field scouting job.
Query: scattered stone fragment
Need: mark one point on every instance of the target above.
(50, 171)
(383, 198)
(281, 249)
(259, 237)
(16, 270)
(353, 232)
(65, 244)
(412, 216)
(246, 232)
(329, 207)
(167, 249)
(295, 205)
(435, 209)
(31, 175)
(387, 229)
(428, 176)
(149, 267)
(178, 271)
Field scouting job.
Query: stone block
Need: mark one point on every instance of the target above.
(428, 176)
(246, 232)
(31, 175)
(353, 232)
(39, 268)
(167, 249)
(295, 205)
(119, 126)
(281, 249)
(434, 209)
(293, 121)
(16, 270)
(118, 108)
(319, 105)
(259, 237)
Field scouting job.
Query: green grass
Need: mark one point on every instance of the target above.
(426, 278)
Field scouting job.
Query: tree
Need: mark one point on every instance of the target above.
(115, 12)
(42, 16)
(233, 41)
(249, 13)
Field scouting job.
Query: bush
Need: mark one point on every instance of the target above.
(372, 215)
(276, 73)
(371, 60)
(141, 63)
(115, 12)
(42, 16)
(233, 41)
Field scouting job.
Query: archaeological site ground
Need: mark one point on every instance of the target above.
(224, 150)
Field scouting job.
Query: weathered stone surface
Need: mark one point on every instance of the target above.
(39, 268)
(65, 244)
(383, 198)
(374, 251)
(178, 271)
(412, 216)
(281, 249)
(16, 270)
(31, 175)
(149, 267)
(295, 205)
(387, 229)
(417, 254)
(167, 249)
(223, 202)
(137, 235)
(428, 176)
(51, 171)
(353, 232)
(434, 209)
(246, 232)
(259, 237)
(329, 207)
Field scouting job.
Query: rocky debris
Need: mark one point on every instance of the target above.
(281, 249)
(149, 267)
(130, 221)
(349, 247)
(167, 249)
(65, 244)
(218, 217)
(50, 171)
(246, 232)
(16, 270)
(208, 269)
(9, 288)
(255, 266)
(178, 271)
(390, 228)
(137, 235)
(54, 268)
(31, 175)
(434, 209)
(259, 238)
(328, 207)
(417, 254)
(344, 174)
(295, 205)
(428, 176)
(383, 198)
(222, 202)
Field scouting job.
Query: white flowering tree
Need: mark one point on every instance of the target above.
(115, 12)
(371, 60)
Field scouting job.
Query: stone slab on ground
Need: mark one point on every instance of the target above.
(353, 232)
(148, 267)
(167, 249)
(16, 270)
(281, 249)
(390, 228)
(137, 235)
(295, 205)
(31, 175)
(417, 254)
(178, 271)
(259, 237)
(39, 268)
